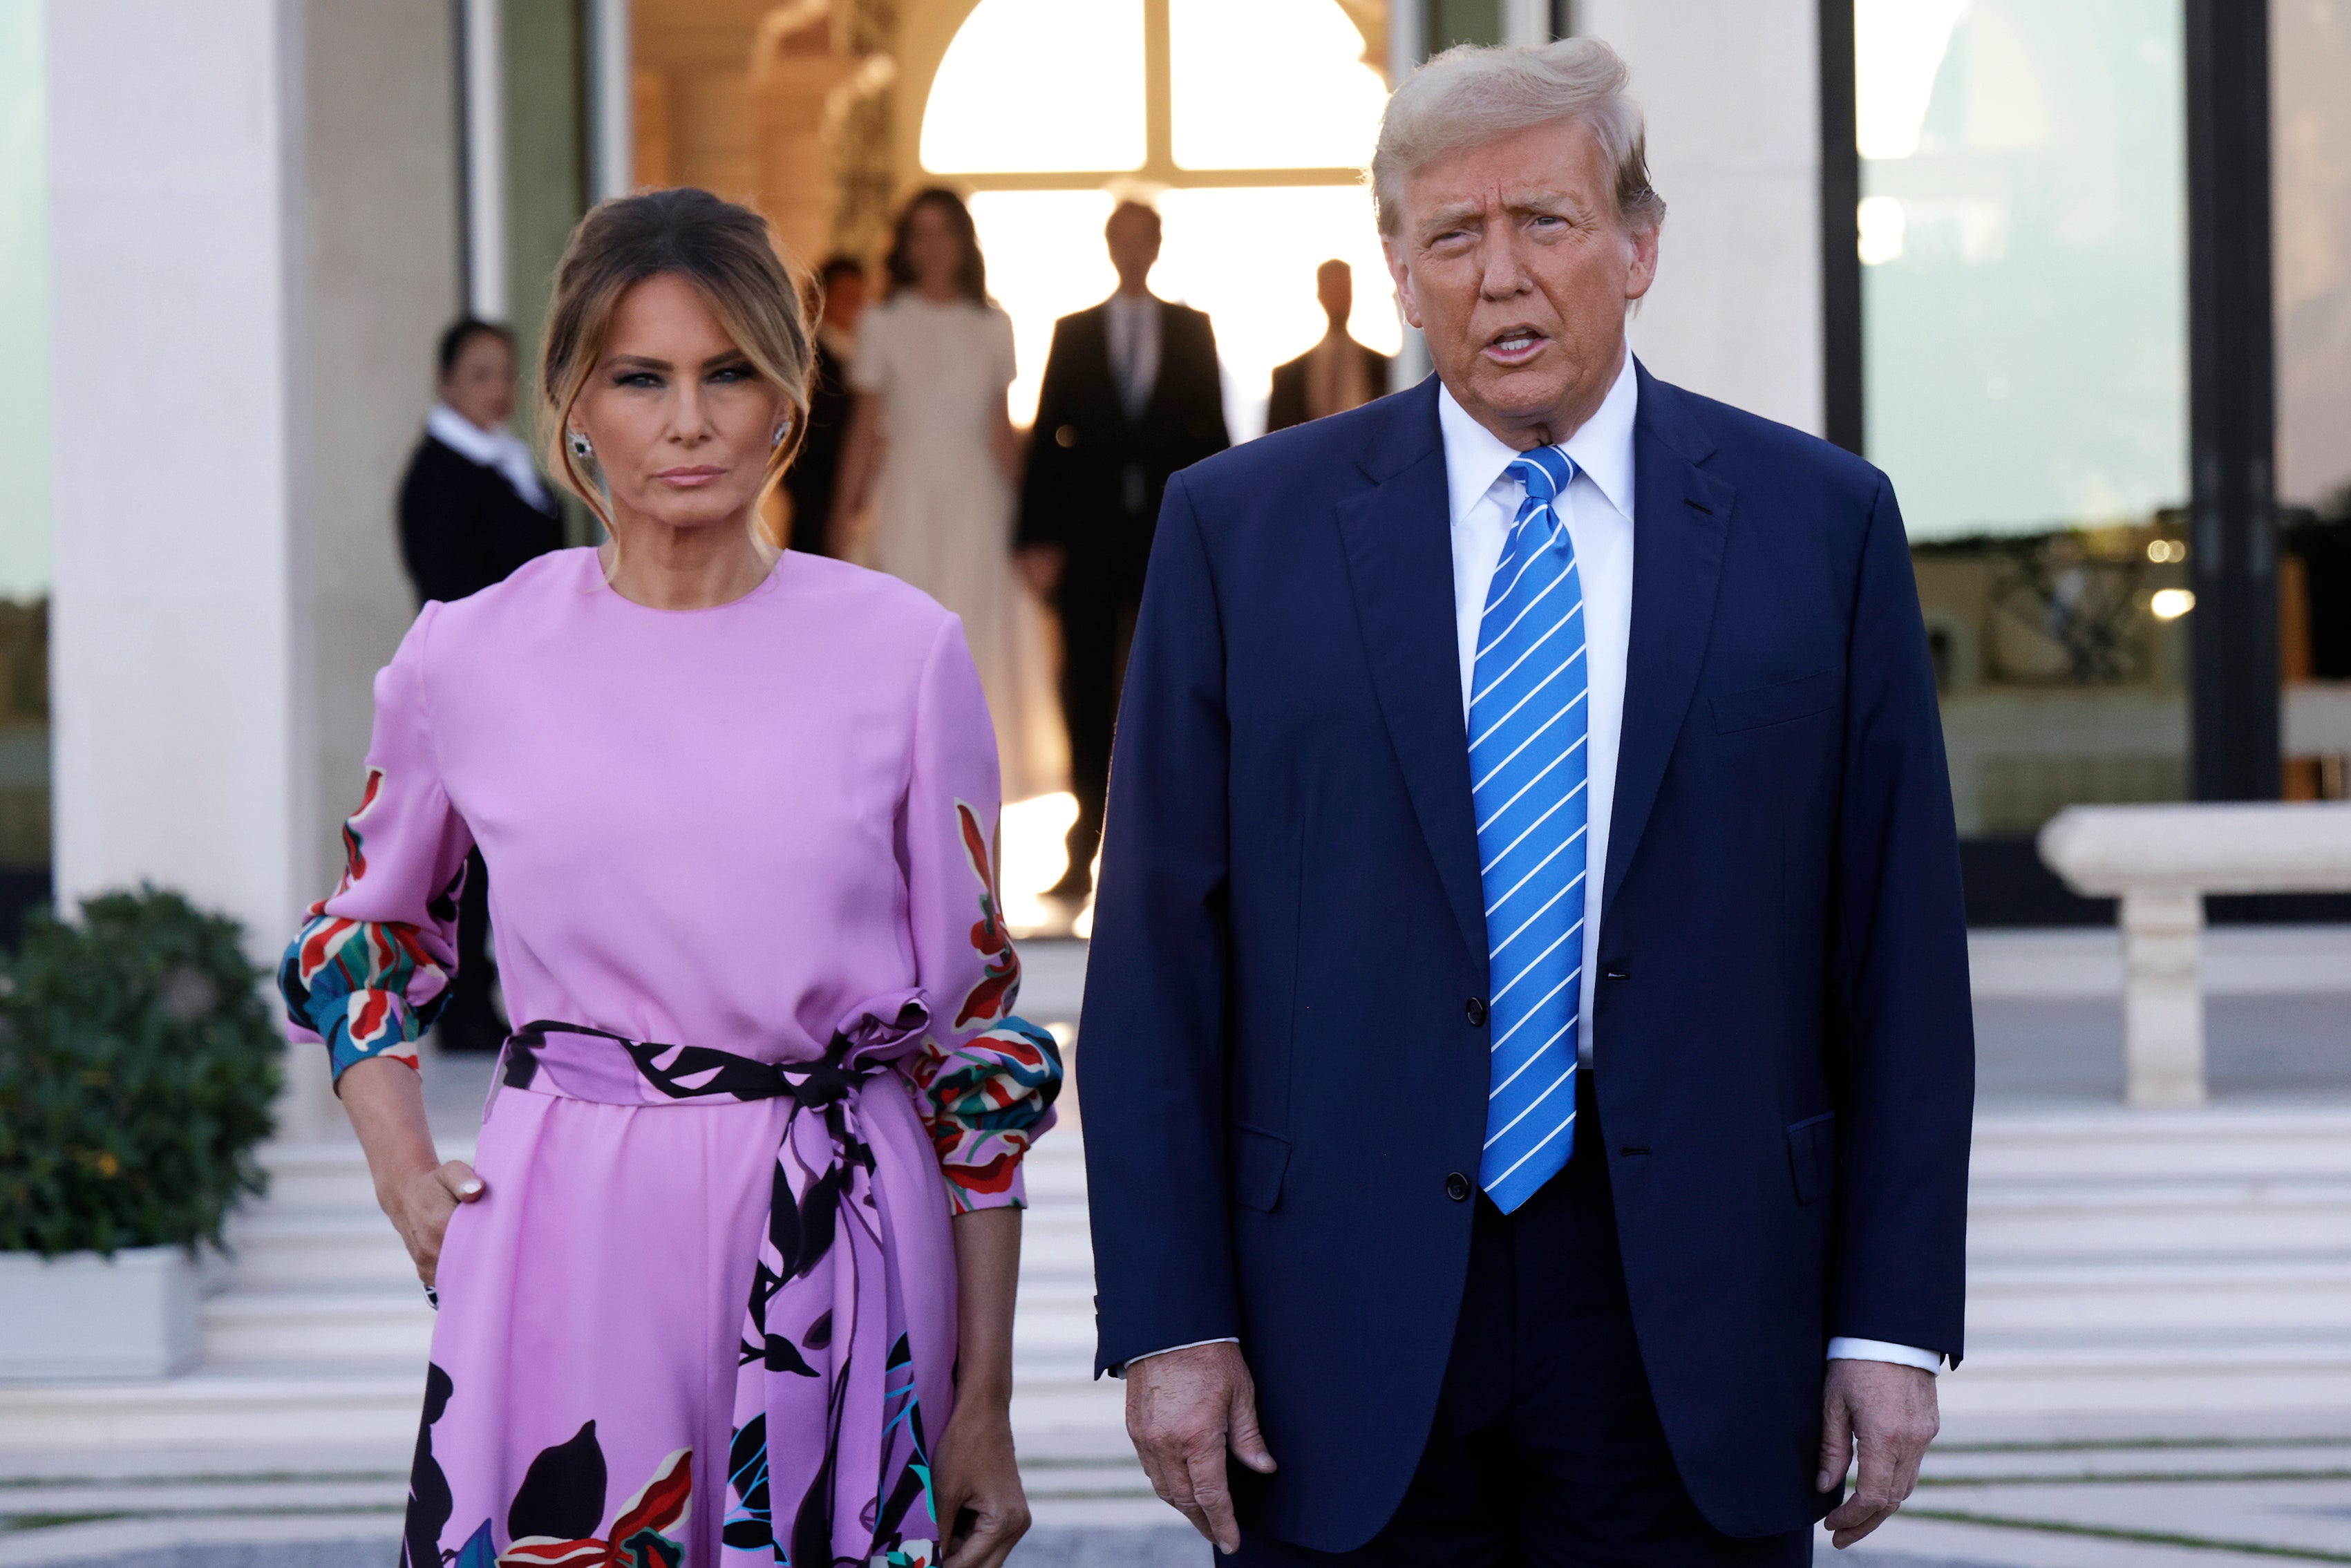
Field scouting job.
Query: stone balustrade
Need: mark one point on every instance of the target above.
(2161, 861)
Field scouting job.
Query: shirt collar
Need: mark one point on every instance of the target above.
(501, 450)
(452, 429)
(1474, 457)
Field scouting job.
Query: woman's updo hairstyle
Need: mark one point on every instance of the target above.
(725, 252)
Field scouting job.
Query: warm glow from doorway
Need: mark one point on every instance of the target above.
(1034, 85)
(1271, 84)
(1258, 84)
(1030, 835)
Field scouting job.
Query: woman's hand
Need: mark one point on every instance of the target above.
(974, 1469)
(420, 1205)
(385, 1101)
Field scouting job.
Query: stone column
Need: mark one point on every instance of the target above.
(1732, 94)
(181, 408)
(254, 238)
(2163, 999)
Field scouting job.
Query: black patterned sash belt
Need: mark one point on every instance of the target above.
(687, 1072)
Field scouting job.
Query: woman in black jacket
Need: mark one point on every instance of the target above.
(473, 507)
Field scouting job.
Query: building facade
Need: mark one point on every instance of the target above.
(1961, 235)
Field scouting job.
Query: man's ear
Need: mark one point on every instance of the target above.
(1392, 250)
(1642, 269)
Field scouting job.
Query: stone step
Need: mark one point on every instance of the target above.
(2262, 1295)
(2110, 1142)
(273, 1249)
(330, 1325)
(291, 1403)
(330, 1174)
(2042, 1373)
(2268, 1219)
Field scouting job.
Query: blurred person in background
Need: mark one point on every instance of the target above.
(814, 474)
(1337, 374)
(931, 449)
(1131, 394)
(473, 508)
(737, 1258)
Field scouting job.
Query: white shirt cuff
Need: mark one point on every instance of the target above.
(1843, 1349)
(1120, 1370)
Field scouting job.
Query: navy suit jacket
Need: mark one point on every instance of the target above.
(1282, 1060)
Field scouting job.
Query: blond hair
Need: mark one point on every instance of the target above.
(1468, 95)
(725, 252)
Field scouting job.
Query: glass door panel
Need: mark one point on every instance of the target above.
(2310, 108)
(2024, 349)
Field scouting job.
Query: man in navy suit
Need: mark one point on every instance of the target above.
(1527, 1060)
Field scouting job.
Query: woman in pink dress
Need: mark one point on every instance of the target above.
(731, 1281)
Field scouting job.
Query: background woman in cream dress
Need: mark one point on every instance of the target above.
(930, 447)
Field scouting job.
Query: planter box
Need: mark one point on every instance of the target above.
(85, 1316)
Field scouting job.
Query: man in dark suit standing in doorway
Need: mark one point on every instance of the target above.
(1131, 394)
(1337, 374)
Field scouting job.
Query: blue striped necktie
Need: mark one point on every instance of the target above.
(1527, 723)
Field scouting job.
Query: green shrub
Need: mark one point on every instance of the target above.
(138, 1064)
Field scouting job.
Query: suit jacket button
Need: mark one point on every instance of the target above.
(1456, 1188)
(1476, 1009)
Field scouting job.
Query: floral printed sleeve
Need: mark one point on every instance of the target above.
(986, 1080)
(373, 960)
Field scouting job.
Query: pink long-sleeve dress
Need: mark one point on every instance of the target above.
(747, 931)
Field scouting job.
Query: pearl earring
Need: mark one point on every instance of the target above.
(579, 446)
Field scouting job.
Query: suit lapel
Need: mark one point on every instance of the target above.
(1682, 515)
(1397, 538)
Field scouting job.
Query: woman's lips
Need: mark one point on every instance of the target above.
(1516, 348)
(689, 478)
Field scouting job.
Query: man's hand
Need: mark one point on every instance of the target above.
(1183, 1409)
(1889, 1413)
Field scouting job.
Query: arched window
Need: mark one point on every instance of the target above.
(1248, 121)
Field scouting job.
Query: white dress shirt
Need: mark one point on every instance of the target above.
(1598, 508)
(1132, 325)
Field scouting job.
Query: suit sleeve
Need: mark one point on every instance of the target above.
(1043, 512)
(1153, 1044)
(1901, 977)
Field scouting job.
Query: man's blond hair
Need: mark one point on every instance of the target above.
(1468, 95)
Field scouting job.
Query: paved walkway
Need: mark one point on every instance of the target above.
(2263, 1493)
(1980, 1506)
